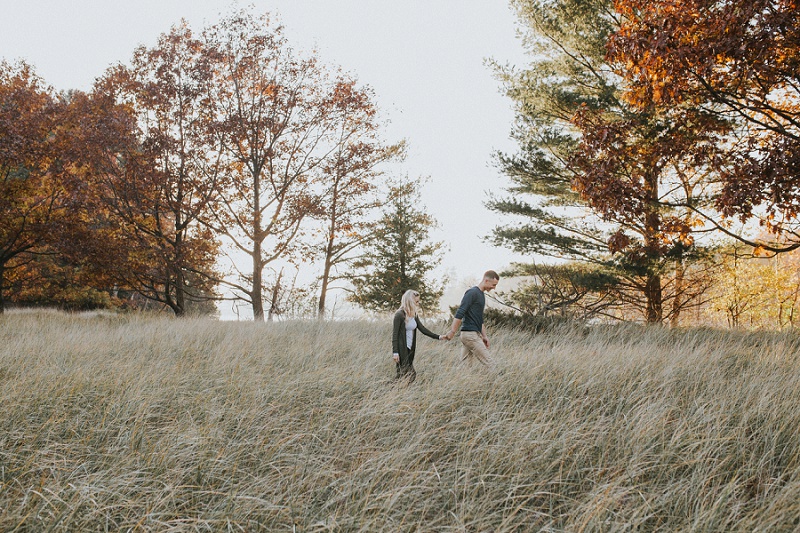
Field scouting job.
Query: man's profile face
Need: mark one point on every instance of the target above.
(489, 284)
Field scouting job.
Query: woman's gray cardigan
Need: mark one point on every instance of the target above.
(399, 345)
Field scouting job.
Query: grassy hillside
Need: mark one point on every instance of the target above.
(120, 423)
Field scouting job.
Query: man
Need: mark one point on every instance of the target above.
(469, 318)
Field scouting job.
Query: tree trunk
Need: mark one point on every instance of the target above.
(167, 299)
(257, 298)
(652, 223)
(680, 282)
(326, 275)
(653, 295)
(324, 290)
(258, 266)
(180, 278)
(180, 293)
(2, 288)
(273, 307)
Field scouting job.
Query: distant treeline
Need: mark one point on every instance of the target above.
(658, 162)
(125, 195)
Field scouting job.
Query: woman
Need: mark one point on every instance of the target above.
(404, 335)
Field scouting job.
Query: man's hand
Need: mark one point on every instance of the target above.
(486, 341)
(396, 357)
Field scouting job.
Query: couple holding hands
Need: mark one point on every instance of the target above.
(469, 319)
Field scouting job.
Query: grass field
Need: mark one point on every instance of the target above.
(151, 424)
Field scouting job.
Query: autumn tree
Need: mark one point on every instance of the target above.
(753, 291)
(739, 60)
(32, 195)
(351, 190)
(276, 113)
(602, 176)
(157, 166)
(400, 255)
(635, 171)
(46, 218)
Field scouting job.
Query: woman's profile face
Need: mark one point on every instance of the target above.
(416, 297)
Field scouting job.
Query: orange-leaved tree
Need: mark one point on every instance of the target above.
(157, 170)
(604, 179)
(637, 170)
(740, 60)
(32, 195)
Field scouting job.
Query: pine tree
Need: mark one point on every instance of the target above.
(400, 256)
(566, 43)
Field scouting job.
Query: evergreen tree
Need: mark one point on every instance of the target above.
(566, 43)
(400, 255)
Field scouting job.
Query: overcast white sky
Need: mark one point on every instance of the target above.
(423, 58)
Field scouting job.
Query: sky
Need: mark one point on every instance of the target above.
(425, 60)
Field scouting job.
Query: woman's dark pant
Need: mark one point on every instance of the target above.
(405, 369)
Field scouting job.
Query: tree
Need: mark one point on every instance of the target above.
(739, 60)
(400, 255)
(603, 175)
(159, 171)
(565, 44)
(276, 113)
(350, 178)
(32, 194)
(635, 171)
(755, 292)
(46, 215)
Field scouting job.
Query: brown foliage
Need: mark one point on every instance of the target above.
(227, 134)
(33, 195)
(637, 169)
(739, 59)
(158, 172)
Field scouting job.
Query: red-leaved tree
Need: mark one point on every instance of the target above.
(737, 59)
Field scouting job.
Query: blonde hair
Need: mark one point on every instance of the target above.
(409, 304)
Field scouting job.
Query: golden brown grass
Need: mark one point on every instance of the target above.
(143, 424)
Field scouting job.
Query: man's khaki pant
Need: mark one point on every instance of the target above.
(472, 348)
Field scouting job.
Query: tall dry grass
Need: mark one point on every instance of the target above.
(141, 424)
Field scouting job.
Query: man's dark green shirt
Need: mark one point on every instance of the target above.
(471, 310)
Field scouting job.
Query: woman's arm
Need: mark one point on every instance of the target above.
(398, 325)
(426, 331)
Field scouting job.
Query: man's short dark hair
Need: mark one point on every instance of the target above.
(491, 274)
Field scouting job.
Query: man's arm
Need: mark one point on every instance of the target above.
(466, 300)
(484, 336)
(453, 329)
